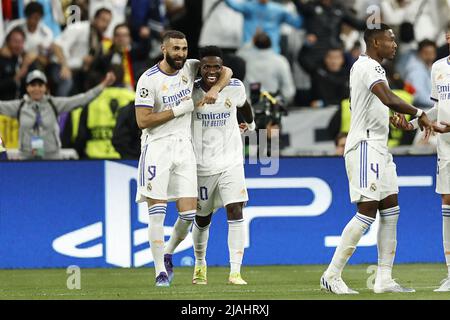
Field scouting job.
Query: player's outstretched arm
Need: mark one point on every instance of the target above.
(212, 94)
(399, 121)
(392, 101)
(444, 127)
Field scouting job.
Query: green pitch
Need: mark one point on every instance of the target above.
(265, 282)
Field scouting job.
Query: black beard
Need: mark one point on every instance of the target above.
(173, 64)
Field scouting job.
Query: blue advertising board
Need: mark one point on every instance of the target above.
(56, 214)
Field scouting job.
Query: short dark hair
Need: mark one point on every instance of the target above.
(369, 34)
(120, 25)
(100, 11)
(34, 7)
(15, 30)
(262, 40)
(210, 51)
(172, 34)
(426, 43)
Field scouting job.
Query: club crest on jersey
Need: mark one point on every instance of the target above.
(184, 79)
(228, 103)
(373, 187)
(164, 88)
(379, 69)
(149, 186)
(143, 93)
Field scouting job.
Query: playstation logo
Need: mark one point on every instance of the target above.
(117, 239)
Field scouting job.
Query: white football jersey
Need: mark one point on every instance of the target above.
(369, 116)
(215, 129)
(440, 93)
(161, 91)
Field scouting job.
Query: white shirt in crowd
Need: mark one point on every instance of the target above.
(222, 21)
(38, 41)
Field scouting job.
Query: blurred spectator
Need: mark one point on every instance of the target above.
(145, 17)
(39, 40)
(118, 10)
(220, 19)
(3, 155)
(127, 135)
(422, 19)
(330, 82)
(266, 16)
(131, 56)
(81, 43)
(98, 120)
(14, 65)
(353, 55)
(323, 20)
(267, 67)
(190, 23)
(39, 37)
(53, 16)
(37, 114)
(418, 73)
(339, 143)
(443, 51)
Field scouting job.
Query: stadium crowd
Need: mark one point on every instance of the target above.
(299, 51)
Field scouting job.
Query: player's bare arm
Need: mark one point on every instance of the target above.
(392, 101)
(247, 112)
(146, 118)
(399, 121)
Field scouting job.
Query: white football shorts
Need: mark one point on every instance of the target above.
(219, 190)
(443, 177)
(371, 174)
(167, 170)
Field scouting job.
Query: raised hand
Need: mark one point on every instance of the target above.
(110, 78)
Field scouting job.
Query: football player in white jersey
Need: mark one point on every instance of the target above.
(167, 167)
(440, 94)
(371, 172)
(220, 163)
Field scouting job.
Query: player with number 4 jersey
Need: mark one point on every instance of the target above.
(370, 169)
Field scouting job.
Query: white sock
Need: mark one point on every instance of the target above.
(387, 241)
(446, 234)
(157, 213)
(351, 235)
(180, 230)
(236, 238)
(200, 237)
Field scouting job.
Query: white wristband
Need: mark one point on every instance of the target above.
(251, 126)
(185, 106)
(419, 113)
